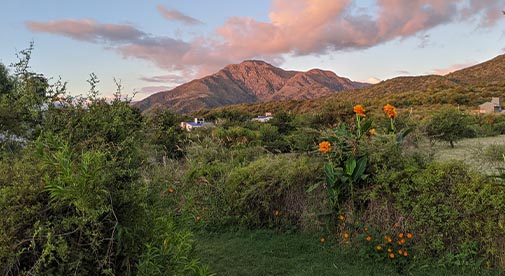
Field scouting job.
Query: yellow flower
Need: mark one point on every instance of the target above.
(322, 239)
(379, 248)
(360, 110)
(372, 131)
(197, 218)
(369, 238)
(324, 147)
(366, 229)
(391, 256)
(390, 250)
(390, 111)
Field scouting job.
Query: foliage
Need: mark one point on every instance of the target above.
(449, 125)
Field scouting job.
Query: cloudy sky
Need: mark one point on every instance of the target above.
(155, 45)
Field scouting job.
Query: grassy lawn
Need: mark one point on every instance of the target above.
(479, 153)
(270, 253)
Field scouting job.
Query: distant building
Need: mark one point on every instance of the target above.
(494, 106)
(262, 119)
(197, 123)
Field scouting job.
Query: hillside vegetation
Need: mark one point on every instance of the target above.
(91, 187)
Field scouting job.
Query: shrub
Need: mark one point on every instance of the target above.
(271, 190)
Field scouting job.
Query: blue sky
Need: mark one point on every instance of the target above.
(155, 45)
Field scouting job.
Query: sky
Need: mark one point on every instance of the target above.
(149, 46)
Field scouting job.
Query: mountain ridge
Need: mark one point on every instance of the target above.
(248, 82)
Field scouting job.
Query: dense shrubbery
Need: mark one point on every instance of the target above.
(97, 188)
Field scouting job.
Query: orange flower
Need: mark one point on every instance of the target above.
(346, 235)
(358, 109)
(379, 248)
(341, 217)
(391, 256)
(409, 236)
(372, 131)
(171, 190)
(368, 238)
(322, 239)
(405, 254)
(402, 241)
(366, 229)
(397, 225)
(390, 250)
(390, 111)
(400, 252)
(276, 212)
(324, 147)
(400, 236)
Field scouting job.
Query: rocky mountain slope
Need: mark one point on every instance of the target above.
(248, 82)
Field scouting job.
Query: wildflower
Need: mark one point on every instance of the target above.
(397, 225)
(402, 241)
(379, 248)
(171, 190)
(372, 131)
(390, 250)
(341, 217)
(400, 252)
(324, 147)
(390, 111)
(368, 238)
(322, 239)
(405, 253)
(391, 256)
(409, 236)
(346, 235)
(366, 229)
(276, 212)
(359, 110)
(400, 236)
(197, 218)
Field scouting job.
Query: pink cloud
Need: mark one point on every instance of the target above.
(170, 78)
(452, 68)
(153, 89)
(87, 30)
(295, 27)
(173, 15)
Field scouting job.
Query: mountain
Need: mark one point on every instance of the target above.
(466, 88)
(248, 82)
(491, 71)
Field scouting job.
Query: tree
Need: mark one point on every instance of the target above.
(449, 125)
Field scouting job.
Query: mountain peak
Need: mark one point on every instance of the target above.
(247, 82)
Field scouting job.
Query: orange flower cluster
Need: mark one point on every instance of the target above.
(324, 147)
(360, 110)
(390, 111)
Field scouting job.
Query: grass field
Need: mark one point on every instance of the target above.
(483, 154)
(262, 253)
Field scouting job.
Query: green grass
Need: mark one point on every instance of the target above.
(474, 152)
(263, 252)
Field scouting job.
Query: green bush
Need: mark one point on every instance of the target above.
(456, 215)
(273, 183)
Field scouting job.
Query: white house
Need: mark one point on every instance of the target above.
(197, 123)
(262, 119)
(494, 106)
